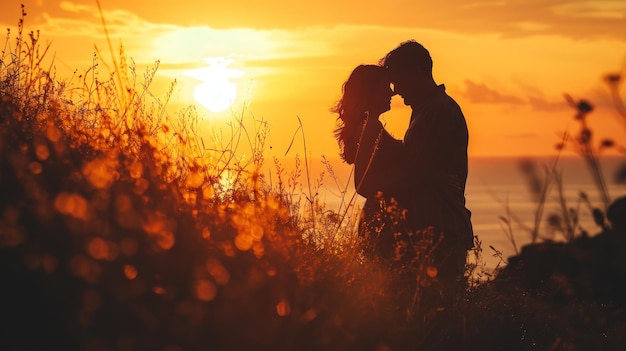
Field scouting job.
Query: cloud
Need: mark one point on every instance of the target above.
(588, 9)
(84, 22)
(75, 8)
(599, 98)
(540, 103)
(576, 19)
(481, 93)
(178, 45)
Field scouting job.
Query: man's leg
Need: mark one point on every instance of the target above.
(450, 259)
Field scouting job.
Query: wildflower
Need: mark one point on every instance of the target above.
(598, 217)
(584, 106)
(613, 79)
(585, 136)
(555, 221)
(607, 143)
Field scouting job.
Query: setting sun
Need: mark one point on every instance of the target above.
(216, 92)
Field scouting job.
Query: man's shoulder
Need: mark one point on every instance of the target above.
(451, 105)
(441, 104)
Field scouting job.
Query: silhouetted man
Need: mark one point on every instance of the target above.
(427, 171)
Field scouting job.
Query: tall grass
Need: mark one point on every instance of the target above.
(585, 144)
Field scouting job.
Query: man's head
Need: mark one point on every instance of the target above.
(410, 70)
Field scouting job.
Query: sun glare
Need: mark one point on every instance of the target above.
(216, 92)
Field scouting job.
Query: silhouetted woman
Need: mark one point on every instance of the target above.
(366, 95)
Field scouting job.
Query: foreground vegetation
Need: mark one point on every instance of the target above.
(122, 229)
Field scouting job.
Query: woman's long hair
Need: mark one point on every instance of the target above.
(353, 105)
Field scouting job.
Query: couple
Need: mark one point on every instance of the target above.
(420, 178)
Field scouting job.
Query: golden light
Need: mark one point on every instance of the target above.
(226, 181)
(216, 92)
(205, 290)
(283, 308)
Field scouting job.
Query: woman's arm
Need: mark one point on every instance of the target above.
(379, 155)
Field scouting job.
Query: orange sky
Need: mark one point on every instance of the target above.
(507, 63)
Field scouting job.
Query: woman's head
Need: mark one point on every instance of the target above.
(367, 91)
